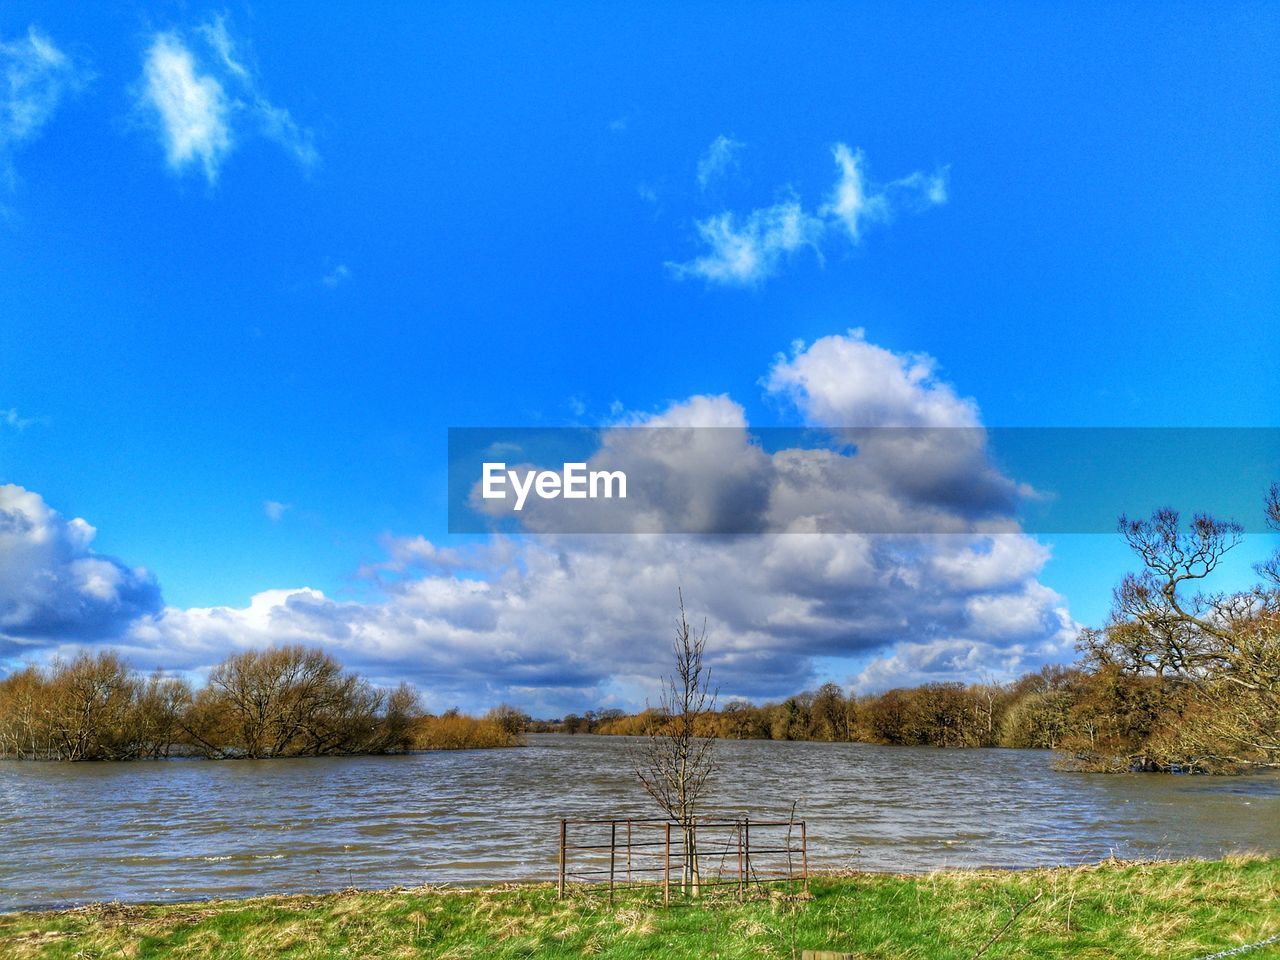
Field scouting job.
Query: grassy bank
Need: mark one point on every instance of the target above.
(1175, 909)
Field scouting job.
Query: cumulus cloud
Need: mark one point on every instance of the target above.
(54, 587)
(557, 621)
(845, 381)
(37, 77)
(720, 158)
(745, 249)
(570, 621)
(204, 100)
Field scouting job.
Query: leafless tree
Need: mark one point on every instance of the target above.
(676, 761)
(1225, 647)
(92, 707)
(295, 701)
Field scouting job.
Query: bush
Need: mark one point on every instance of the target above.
(454, 731)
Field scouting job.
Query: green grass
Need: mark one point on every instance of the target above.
(1183, 909)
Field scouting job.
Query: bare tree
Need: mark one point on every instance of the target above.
(676, 761)
(1222, 649)
(295, 701)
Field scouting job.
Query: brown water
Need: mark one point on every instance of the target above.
(72, 833)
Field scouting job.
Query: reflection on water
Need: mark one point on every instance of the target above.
(190, 829)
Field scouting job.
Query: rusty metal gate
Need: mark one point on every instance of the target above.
(728, 856)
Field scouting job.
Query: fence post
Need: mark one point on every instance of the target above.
(740, 893)
(746, 826)
(613, 846)
(666, 869)
(628, 850)
(560, 885)
(691, 855)
(804, 855)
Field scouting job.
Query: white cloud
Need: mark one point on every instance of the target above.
(193, 108)
(850, 202)
(275, 510)
(567, 621)
(843, 380)
(37, 77)
(556, 621)
(745, 249)
(220, 40)
(720, 158)
(203, 106)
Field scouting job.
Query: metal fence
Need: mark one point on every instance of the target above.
(728, 856)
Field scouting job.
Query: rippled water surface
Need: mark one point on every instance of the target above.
(190, 829)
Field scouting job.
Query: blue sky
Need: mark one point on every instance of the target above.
(475, 215)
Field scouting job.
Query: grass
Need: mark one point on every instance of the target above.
(1179, 909)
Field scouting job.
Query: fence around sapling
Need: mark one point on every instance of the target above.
(729, 857)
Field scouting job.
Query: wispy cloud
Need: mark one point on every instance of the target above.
(746, 249)
(854, 203)
(10, 418)
(720, 158)
(193, 108)
(339, 275)
(742, 250)
(37, 76)
(204, 105)
(274, 122)
(275, 510)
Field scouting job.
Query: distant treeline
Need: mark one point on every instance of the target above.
(280, 702)
(1033, 712)
(1097, 715)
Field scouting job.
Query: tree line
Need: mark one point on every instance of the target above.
(1097, 715)
(1028, 713)
(290, 701)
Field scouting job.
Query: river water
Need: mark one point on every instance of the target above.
(186, 829)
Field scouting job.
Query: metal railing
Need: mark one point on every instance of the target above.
(641, 853)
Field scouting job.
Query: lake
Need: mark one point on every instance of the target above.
(188, 829)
